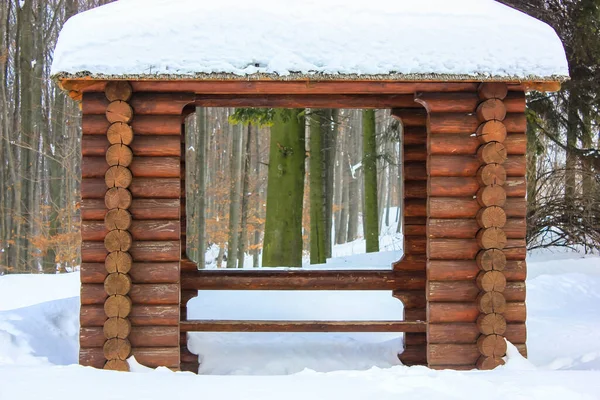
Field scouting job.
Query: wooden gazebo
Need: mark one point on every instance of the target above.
(462, 277)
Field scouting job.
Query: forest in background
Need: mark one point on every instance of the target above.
(40, 155)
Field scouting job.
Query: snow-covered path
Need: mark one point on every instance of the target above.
(39, 327)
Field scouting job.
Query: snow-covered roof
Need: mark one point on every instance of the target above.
(329, 39)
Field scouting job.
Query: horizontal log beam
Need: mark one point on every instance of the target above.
(451, 270)
(362, 101)
(141, 209)
(467, 166)
(147, 293)
(142, 103)
(140, 336)
(146, 146)
(140, 272)
(140, 167)
(515, 228)
(452, 123)
(139, 230)
(141, 315)
(468, 291)
(465, 144)
(142, 125)
(469, 186)
(467, 249)
(468, 207)
(152, 357)
(444, 312)
(302, 326)
(463, 333)
(302, 280)
(160, 188)
(141, 251)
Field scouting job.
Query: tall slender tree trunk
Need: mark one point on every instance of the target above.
(285, 191)
(318, 239)
(329, 147)
(201, 166)
(245, 198)
(259, 195)
(235, 197)
(370, 215)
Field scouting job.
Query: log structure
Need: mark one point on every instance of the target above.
(461, 279)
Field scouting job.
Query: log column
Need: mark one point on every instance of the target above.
(139, 135)
(462, 128)
(414, 213)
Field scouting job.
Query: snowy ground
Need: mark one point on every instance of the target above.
(39, 326)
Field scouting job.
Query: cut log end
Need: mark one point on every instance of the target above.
(492, 90)
(117, 349)
(491, 302)
(491, 131)
(491, 238)
(491, 217)
(117, 365)
(491, 324)
(117, 306)
(120, 133)
(492, 345)
(118, 261)
(119, 111)
(491, 174)
(117, 219)
(118, 241)
(491, 196)
(118, 90)
(119, 154)
(491, 260)
(118, 176)
(117, 284)
(117, 328)
(491, 281)
(489, 363)
(492, 153)
(117, 198)
(491, 109)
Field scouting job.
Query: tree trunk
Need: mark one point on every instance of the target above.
(329, 147)
(201, 164)
(285, 190)
(245, 199)
(235, 195)
(318, 239)
(370, 215)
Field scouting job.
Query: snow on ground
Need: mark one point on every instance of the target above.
(38, 344)
(413, 39)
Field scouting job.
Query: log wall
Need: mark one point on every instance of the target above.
(131, 227)
(414, 156)
(475, 235)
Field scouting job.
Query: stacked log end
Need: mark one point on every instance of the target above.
(131, 227)
(476, 226)
(414, 156)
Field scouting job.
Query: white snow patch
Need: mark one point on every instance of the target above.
(377, 37)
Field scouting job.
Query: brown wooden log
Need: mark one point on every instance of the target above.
(415, 339)
(116, 262)
(139, 230)
(117, 90)
(453, 354)
(116, 306)
(414, 153)
(119, 154)
(461, 165)
(491, 302)
(113, 197)
(141, 251)
(491, 238)
(119, 111)
(491, 174)
(491, 260)
(302, 280)
(415, 208)
(491, 131)
(462, 333)
(154, 315)
(464, 144)
(415, 171)
(410, 263)
(415, 189)
(117, 133)
(492, 90)
(413, 354)
(492, 217)
(491, 196)
(411, 298)
(139, 272)
(147, 146)
(92, 357)
(468, 228)
(445, 312)
(465, 249)
(492, 153)
(118, 241)
(489, 324)
(154, 336)
(492, 345)
(415, 244)
(462, 102)
(154, 357)
(414, 136)
(117, 365)
(92, 294)
(117, 328)
(415, 314)
(117, 349)
(155, 293)
(415, 230)
(464, 270)
(411, 116)
(141, 124)
(141, 209)
(164, 188)
(117, 284)
(118, 176)
(468, 187)
(141, 167)
(488, 363)
(148, 103)
(115, 219)
(491, 281)
(491, 109)
(452, 291)
(301, 326)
